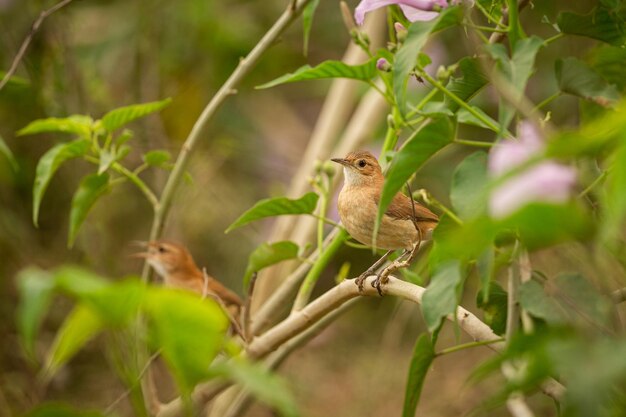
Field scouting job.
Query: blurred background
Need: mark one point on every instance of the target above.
(96, 55)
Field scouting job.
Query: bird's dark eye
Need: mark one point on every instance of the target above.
(362, 163)
(162, 249)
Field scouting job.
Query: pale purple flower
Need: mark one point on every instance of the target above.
(414, 10)
(383, 65)
(546, 181)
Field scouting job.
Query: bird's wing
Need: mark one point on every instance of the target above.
(228, 296)
(401, 208)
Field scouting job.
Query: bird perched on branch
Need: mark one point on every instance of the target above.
(403, 226)
(176, 266)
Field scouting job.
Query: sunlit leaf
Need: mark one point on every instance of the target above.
(118, 303)
(461, 242)
(417, 149)
(327, 69)
(78, 282)
(577, 78)
(120, 117)
(600, 24)
(77, 124)
(442, 295)
(307, 22)
(471, 81)
(36, 289)
(49, 164)
(407, 55)
(157, 158)
(268, 254)
(494, 307)
(469, 178)
(422, 358)
(6, 151)
(188, 330)
(80, 326)
(276, 207)
(91, 188)
(107, 157)
(614, 198)
(267, 387)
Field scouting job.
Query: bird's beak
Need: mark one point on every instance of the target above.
(146, 245)
(341, 161)
(143, 255)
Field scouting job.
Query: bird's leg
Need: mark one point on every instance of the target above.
(383, 277)
(371, 270)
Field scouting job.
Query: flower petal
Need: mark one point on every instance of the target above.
(412, 6)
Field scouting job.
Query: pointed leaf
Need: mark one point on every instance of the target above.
(577, 78)
(469, 178)
(267, 387)
(494, 306)
(442, 295)
(423, 356)
(600, 24)
(423, 144)
(6, 151)
(49, 164)
(188, 330)
(465, 117)
(268, 254)
(36, 288)
(91, 188)
(468, 85)
(80, 326)
(307, 21)
(157, 158)
(327, 69)
(609, 62)
(614, 198)
(107, 157)
(406, 57)
(77, 124)
(276, 207)
(117, 118)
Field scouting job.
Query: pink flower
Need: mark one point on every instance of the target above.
(546, 181)
(414, 10)
(383, 65)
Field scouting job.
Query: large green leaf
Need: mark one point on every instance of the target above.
(423, 144)
(423, 356)
(188, 330)
(77, 124)
(117, 303)
(614, 198)
(600, 24)
(49, 164)
(268, 254)
(78, 282)
(468, 181)
(82, 325)
(442, 295)
(406, 57)
(494, 306)
(120, 117)
(307, 21)
(327, 69)
(471, 81)
(36, 288)
(91, 188)
(276, 207)
(268, 388)
(6, 151)
(577, 78)
(609, 62)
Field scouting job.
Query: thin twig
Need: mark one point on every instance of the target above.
(34, 28)
(247, 330)
(231, 318)
(504, 21)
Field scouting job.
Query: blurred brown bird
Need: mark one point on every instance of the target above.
(176, 266)
(403, 226)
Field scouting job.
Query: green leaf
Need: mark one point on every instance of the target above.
(442, 295)
(80, 326)
(600, 24)
(36, 288)
(268, 254)
(494, 306)
(188, 330)
(118, 303)
(157, 158)
(468, 85)
(485, 264)
(60, 410)
(407, 55)
(516, 33)
(609, 62)
(76, 124)
(91, 188)
(268, 388)
(327, 69)
(423, 144)
(107, 157)
(469, 178)
(78, 282)
(423, 356)
(120, 117)
(276, 207)
(49, 164)
(465, 117)
(6, 151)
(461, 242)
(577, 78)
(307, 21)
(614, 198)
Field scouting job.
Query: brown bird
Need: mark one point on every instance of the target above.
(176, 266)
(403, 226)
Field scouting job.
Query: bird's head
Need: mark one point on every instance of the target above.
(166, 257)
(360, 168)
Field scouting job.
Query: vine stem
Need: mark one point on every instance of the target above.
(468, 346)
(228, 88)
